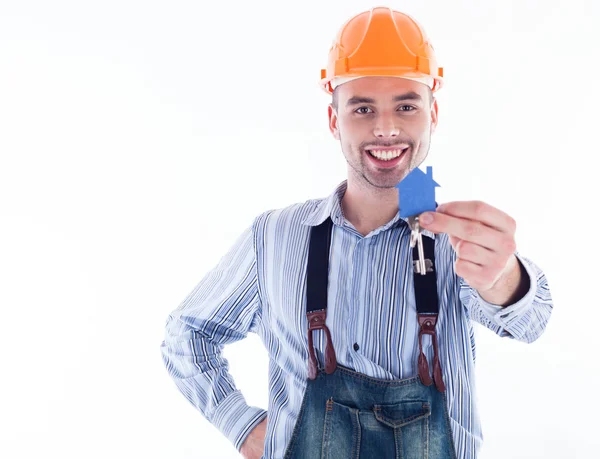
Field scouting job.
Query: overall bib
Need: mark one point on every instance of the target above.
(348, 415)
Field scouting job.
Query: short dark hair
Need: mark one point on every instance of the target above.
(334, 97)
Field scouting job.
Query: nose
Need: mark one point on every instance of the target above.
(385, 127)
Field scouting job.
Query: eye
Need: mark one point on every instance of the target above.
(362, 108)
(410, 107)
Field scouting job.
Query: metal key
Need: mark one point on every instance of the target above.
(417, 238)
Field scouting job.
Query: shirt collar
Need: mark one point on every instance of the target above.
(331, 206)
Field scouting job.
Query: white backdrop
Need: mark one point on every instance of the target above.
(139, 138)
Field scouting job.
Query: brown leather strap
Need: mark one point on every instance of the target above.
(427, 324)
(437, 368)
(316, 321)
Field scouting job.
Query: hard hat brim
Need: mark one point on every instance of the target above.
(436, 82)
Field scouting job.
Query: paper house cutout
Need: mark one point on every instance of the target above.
(416, 193)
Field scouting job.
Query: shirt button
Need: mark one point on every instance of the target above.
(355, 346)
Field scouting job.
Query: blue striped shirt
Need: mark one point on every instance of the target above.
(259, 286)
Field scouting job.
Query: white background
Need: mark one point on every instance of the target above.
(139, 138)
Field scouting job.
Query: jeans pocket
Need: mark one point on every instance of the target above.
(407, 423)
(342, 433)
(395, 431)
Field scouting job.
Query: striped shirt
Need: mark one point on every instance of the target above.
(259, 286)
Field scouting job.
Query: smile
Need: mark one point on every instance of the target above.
(387, 157)
(386, 154)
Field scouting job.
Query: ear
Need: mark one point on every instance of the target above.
(434, 115)
(333, 122)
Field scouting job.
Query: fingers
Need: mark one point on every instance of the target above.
(481, 212)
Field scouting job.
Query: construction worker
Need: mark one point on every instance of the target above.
(367, 358)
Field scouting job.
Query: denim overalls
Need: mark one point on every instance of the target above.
(348, 415)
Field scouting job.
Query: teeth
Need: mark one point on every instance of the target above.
(386, 155)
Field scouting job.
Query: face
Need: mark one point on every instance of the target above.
(379, 118)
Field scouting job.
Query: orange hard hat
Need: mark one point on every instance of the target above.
(381, 42)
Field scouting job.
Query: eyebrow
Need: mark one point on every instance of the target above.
(355, 100)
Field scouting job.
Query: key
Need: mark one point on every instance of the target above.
(417, 238)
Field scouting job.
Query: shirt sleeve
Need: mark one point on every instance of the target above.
(524, 320)
(222, 308)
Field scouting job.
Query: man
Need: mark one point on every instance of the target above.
(330, 288)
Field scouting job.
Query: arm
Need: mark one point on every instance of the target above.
(512, 285)
(222, 308)
(524, 319)
(485, 259)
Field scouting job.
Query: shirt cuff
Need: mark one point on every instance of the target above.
(236, 419)
(507, 317)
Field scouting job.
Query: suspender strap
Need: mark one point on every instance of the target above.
(426, 296)
(316, 295)
(318, 266)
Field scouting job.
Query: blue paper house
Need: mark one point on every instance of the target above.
(416, 193)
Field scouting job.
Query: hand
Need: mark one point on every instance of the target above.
(483, 238)
(254, 445)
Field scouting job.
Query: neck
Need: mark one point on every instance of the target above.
(367, 207)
